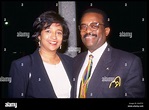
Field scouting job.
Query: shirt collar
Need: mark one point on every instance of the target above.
(99, 50)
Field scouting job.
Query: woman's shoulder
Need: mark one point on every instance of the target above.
(22, 60)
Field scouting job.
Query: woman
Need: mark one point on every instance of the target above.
(46, 73)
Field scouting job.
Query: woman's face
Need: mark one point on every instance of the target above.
(51, 38)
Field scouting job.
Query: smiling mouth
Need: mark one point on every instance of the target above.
(52, 42)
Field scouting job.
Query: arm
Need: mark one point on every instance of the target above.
(17, 88)
(134, 85)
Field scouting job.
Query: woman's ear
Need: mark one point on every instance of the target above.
(39, 37)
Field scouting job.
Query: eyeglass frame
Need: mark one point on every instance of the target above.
(97, 24)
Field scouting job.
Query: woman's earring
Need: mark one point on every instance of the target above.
(60, 47)
(39, 44)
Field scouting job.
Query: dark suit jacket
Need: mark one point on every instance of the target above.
(29, 77)
(117, 66)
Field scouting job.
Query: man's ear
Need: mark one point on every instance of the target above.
(107, 31)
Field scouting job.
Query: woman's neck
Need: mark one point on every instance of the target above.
(49, 57)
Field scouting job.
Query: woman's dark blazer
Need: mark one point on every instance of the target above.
(30, 79)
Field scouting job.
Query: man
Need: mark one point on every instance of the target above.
(114, 73)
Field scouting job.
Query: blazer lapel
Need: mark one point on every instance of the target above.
(102, 69)
(40, 72)
(79, 63)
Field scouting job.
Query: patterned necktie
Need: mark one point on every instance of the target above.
(86, 78)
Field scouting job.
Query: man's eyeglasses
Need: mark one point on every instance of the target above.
(93, 26)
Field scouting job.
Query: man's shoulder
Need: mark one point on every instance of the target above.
(123, 54)
(80, 55)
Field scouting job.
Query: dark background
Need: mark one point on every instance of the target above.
(20, 18)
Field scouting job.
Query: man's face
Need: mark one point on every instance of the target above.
(92, 30)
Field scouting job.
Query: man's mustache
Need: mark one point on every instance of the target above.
(89, 34)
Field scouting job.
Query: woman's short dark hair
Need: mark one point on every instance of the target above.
(46, 19)
(98, 11)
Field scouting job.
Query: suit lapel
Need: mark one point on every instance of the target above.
(40, 72)
(102, 69)
(79, 63)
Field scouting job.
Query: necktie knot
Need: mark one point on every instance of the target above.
(90, 57)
